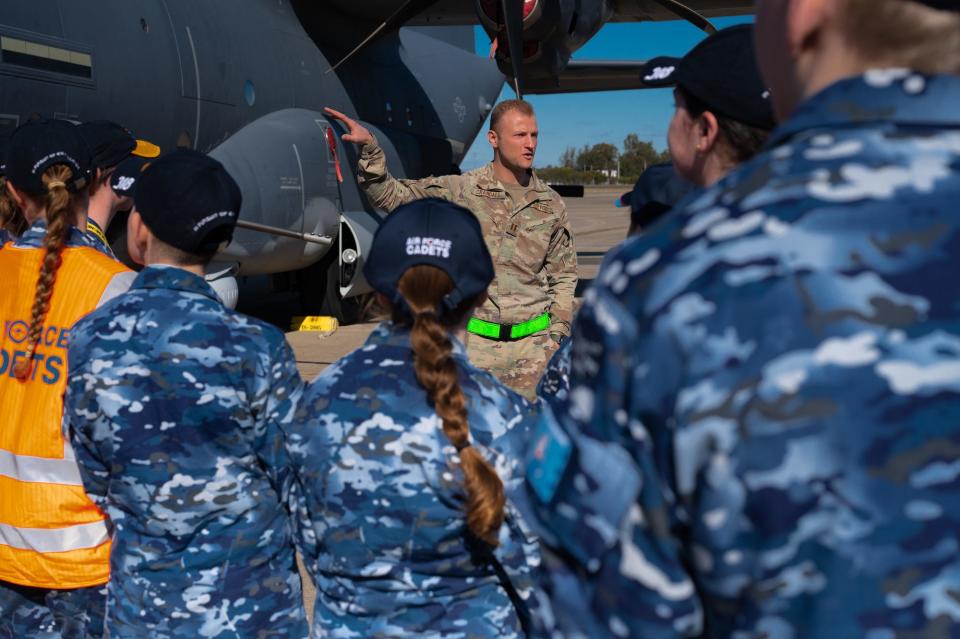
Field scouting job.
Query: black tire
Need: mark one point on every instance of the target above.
(319, 287)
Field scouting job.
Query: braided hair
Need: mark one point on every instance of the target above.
(423, 287)
(58, 207)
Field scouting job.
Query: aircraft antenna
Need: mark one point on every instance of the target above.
(394, 22)
(688, 14)
(512, 13)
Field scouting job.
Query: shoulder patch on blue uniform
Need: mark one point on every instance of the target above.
(548, 458)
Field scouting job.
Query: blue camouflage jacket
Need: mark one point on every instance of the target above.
(383, 500)
(176, 409)
(762, 432)
(555, 383)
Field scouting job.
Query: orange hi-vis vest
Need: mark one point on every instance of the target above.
(51, 534)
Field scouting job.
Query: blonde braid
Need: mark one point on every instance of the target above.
(58, 207)
(423, 287)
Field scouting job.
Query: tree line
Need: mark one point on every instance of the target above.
(604, 163)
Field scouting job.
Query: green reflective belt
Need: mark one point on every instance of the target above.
(508, 332)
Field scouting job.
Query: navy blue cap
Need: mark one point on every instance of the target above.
(655, 193)
(111, 143)
(125, 176)
(37, 145)
(434, 232)
(721, 71)
(189, 201)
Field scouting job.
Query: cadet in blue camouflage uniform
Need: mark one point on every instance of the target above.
(722, 118)
(404, 450)
(176, 408)
(761, 437)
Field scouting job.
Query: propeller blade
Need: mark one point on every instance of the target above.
(688, 14)
(512, 13)
(399, 17)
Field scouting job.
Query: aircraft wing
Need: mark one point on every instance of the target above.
(590, 75)
(463, 12)
(533, 40)
(642, 10)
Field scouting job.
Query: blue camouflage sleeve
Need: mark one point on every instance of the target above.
(83, 426)
(600, 480)
(279, 398)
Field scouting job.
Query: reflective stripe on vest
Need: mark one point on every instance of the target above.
(54, 539)
(39, 469)
(51, 534)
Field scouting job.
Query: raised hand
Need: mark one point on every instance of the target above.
(356, 133)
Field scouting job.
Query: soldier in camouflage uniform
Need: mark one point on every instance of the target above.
(526, 229)
(176, 408)
(761, 436)
(404, 450)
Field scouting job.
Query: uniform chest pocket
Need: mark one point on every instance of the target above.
(532, 239)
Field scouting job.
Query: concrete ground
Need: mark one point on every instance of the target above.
(597, 226)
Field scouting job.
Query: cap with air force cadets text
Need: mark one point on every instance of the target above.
(721, 71)
(189, 201)
(37, 145)
(434, 232)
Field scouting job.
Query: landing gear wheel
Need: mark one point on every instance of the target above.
(319, 286)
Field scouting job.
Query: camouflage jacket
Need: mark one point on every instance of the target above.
(176, 409)
(382, 500)
(761, 436)
(530, 242)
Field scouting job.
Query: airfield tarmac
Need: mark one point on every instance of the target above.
(597, 226)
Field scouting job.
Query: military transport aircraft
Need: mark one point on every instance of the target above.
(245, 80)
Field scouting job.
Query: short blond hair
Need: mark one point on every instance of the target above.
(504, 107)
(903, 33)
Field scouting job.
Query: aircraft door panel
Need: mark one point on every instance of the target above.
(282, 165)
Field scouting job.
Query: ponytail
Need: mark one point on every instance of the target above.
(58, 207)
(11, 218)
(423, 287)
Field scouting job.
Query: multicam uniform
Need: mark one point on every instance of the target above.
(781, 362)
(176, 408)
(533, 256)
(383, 496)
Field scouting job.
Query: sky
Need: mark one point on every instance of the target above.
(578, 119)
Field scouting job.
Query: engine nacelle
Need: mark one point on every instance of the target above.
(287, 174)
(552, 31)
